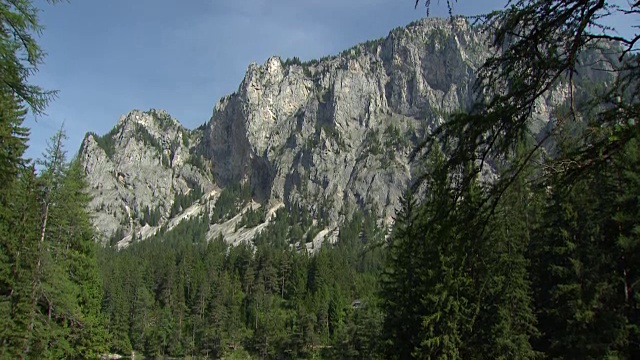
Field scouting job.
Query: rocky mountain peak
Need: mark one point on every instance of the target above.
(330, 135)
(140, 167)
(315, 131)
(157, 119)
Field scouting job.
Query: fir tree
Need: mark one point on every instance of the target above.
(399, 283)
(20, 253)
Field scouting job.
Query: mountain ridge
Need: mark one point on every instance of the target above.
(330, 135)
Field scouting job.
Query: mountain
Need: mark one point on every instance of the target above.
(329, 135)
(142, 165)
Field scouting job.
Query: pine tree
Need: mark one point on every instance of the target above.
(582, 250)
(13, 141)
(20, 248)
(431, 311)
(399, 284)
(20, 238)
(625, 228)
(54, 291)
(583, 268)
(71, 292)
(506, 322)
(448, 309)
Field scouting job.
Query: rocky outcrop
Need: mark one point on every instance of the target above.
(141, 165)
(337, 133)
(332, 134)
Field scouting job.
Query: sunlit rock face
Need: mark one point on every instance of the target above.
(335, 134)
(332, 135)
(142, 163)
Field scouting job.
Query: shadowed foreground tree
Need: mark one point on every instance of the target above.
(50, 293)
(541, 45)
(19, 57)
(570, 266)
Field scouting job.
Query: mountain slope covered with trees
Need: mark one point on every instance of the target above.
(539, 261)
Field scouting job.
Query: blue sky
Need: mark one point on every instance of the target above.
(107, 57)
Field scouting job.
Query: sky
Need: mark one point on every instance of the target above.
(107, 57)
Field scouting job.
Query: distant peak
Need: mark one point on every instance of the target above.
(150, 118)
(273, 63)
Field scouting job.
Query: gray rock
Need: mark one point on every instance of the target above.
(146, 167)
(337, 134)
(332, 135)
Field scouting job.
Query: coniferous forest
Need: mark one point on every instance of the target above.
(540, 261)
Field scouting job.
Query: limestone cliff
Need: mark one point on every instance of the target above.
(336, 133)
(140, 166)
(332, 134)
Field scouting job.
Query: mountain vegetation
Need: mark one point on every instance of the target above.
(50, 288)
(540, 262)
(179, 295)
(512, 244)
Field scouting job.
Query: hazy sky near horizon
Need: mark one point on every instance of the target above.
(107, 57)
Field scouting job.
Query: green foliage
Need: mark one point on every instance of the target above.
(326, 58)
(253, 217)
(152, 217)
(106, 141)
(438, 37)
(53, 307)
(118, 235)
(162, 119)
(182, 201)
(21, 56)
(13, 137)
(230, 202)
(307, 71)
(306, 66)
(352, 53)
(452, 287)
(196, 161)
(537, 263)
(357, 50)
(372, 142)
(372, 45)
(292, 61)
(50, 294)
(185, 138)
(190, 297)
(394, 142)
(583, 255)
(393, 138)
(19, 253)
(142, 134)
(542, 262)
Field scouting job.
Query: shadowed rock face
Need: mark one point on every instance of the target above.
(332, 135)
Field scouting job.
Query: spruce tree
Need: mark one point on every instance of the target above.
(583, 263)
(399, 283)
(427, 290)
(506, 324)
(20, 239)
(20, 250)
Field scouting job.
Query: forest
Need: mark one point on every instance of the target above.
(540, 261)
(180, 295)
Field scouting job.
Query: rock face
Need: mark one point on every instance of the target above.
(331, 135)
(337, 133)
(140, 166)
